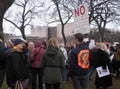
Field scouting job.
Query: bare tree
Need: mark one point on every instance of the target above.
(101, 13)
(26, 13)
(4, 5)
(61, 12)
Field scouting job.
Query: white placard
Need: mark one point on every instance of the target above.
(81, 19)
(101, 72)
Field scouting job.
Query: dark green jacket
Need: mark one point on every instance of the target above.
(52, 63)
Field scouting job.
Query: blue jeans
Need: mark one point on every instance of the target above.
(63, 72)
(80, 82)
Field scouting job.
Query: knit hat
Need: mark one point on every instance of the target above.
(18, 41)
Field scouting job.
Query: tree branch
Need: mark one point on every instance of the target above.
(12, 22)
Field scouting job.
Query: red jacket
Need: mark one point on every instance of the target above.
(38, 51)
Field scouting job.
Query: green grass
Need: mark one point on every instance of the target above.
(68, 85)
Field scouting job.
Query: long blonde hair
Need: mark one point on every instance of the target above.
(53, 41)
(102, 46)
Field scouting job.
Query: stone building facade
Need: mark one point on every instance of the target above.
(46, 32)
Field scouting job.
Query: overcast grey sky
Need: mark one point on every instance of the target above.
(8, 27)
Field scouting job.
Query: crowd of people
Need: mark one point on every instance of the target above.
(48, 65)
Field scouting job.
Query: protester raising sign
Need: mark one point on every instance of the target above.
(81, 19)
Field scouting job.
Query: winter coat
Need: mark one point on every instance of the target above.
(63, 50)
(102, 59)
(16, 67)
(92, 54)
(36, 54)
(117, 55)
(116, 60)
(2, 56)
(74, 69)
(52, 62)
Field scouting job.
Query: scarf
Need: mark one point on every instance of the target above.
(18, 49)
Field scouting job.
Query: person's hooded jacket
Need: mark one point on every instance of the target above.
(52, 62)
(36, 54)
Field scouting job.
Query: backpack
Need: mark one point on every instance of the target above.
(83, 59)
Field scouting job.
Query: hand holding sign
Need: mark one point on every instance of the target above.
(102, 72)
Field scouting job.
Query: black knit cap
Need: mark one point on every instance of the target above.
(18, 41)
